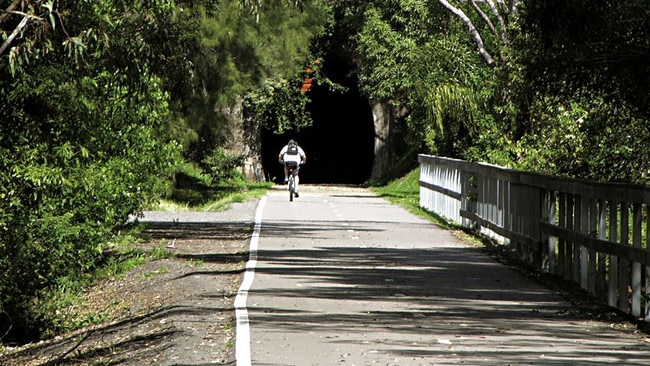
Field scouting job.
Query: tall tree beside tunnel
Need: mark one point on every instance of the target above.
(468, 106)
(421, 72)
(244, 54)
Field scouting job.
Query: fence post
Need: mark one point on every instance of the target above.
(624, 264)
(583, 221)
(636, 266)
(549, 242)
(612, 297)
(602, 257)
(575, 225)
(563, 269)
(647, 268)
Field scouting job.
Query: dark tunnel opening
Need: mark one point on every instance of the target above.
(340, 143)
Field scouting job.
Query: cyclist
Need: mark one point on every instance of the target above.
(292, 153)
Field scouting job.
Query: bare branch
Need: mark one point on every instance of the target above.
(472, 31)
(13, 35)
(15, 9)
(23, 23)
(483, 16)
(502, 23)
(6, 13)
(513, 6)
(24, 15)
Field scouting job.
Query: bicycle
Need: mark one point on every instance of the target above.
(293, 169)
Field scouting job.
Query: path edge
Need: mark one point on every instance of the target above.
(242, 345)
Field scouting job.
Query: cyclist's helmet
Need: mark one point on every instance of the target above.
(292, 142)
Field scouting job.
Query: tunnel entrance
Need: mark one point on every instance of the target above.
(340, 143)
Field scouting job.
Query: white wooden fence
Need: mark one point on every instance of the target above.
(595, 234)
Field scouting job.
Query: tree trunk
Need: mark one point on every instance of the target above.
(381, 116)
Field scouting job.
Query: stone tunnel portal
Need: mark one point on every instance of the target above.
(339, 145)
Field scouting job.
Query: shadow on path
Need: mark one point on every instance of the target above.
(466, 306)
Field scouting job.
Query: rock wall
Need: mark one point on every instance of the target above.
(245, 141)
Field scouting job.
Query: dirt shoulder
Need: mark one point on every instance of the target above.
(166, 312)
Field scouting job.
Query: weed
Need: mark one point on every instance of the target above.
(156, 272)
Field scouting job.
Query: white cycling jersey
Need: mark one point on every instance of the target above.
(292, 157)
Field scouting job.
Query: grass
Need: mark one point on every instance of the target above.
(193, 191)
(159, 271)
(405, 192)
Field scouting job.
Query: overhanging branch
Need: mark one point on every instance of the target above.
(13, 34)
(472, 31)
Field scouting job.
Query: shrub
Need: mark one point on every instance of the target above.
(221, 166)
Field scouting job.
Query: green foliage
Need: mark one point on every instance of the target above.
(192, 176)
(419, 60)
(276, 102)
(603, 45)
(237, 54)
(190, 186)
(222, 166)
(589, 137)
(195, 190)
(391, 40)
(278, 106)
(557, 145)
(82, 147)
(56, 310)
(618, 147)
(577, 90)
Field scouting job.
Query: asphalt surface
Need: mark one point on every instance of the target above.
(342, 277)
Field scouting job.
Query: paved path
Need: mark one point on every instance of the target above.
(344, 278)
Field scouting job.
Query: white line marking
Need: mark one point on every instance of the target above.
(243, 336)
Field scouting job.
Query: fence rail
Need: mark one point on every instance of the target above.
(596, 234)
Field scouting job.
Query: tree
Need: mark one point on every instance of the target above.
(82, 143)
(237, 51)
(583, 66)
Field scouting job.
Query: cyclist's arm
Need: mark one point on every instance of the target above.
(303, 156)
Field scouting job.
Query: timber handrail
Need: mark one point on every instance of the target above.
(593, 233)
